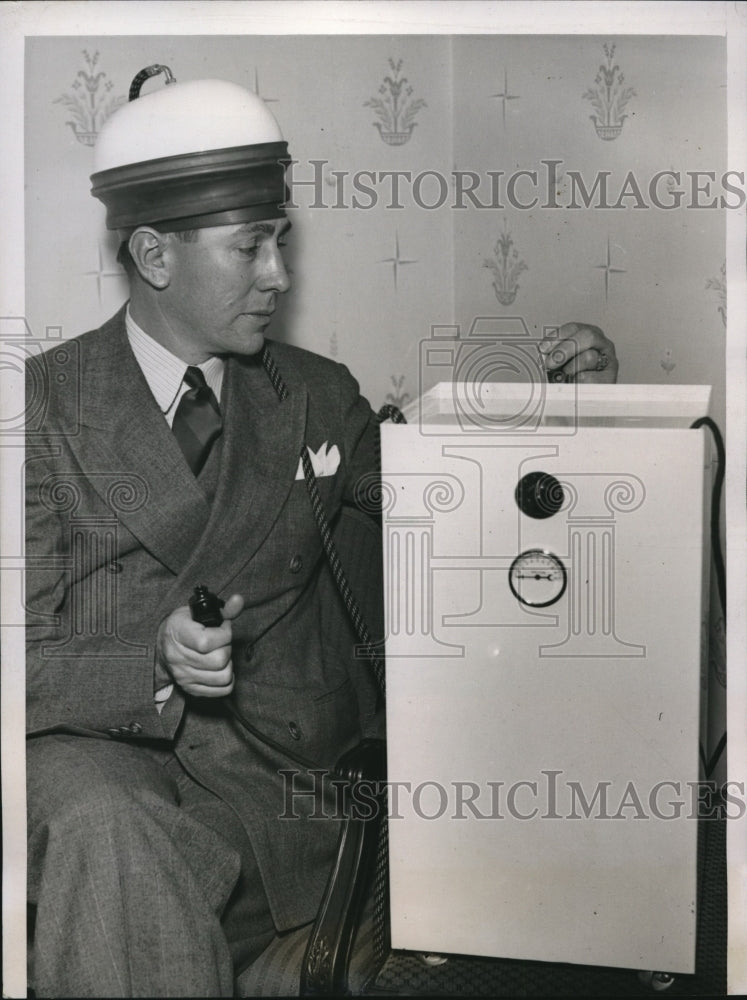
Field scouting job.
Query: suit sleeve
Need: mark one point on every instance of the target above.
(80, 675)
(362, 450)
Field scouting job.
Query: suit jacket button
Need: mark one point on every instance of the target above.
(248, 652)
(295, 564)
(295, 730)
(114, 567)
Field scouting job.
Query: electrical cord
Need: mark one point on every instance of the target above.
(718, 557)
(718, 482)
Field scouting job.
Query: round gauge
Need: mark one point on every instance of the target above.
(537, 578)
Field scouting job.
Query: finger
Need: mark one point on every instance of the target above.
(188, 676)
(233, 607)
(558, 353)
(607, 377)
(203, 639)
(587, 361)
(207, 690)
(589, 336)
(585, 334)
(212, 661)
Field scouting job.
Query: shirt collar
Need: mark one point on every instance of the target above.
(163, 371)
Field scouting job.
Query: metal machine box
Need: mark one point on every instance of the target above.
(545, 606)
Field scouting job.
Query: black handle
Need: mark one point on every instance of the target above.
(206, 607)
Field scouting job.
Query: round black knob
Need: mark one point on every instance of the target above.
(539, 495)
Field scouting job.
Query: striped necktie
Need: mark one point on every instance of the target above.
(197, 421)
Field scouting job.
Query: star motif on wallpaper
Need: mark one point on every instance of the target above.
(505, 96)
(397, 260)
(608, 269)
(102, 272)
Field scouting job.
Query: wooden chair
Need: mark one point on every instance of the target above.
(347, 944)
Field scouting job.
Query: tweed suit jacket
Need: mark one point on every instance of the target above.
(119, 532)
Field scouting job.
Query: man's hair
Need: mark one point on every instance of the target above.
(124, 257)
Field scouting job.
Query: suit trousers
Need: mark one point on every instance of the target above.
(142, 883)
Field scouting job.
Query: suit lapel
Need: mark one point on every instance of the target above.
(124, 434)
(262, 441)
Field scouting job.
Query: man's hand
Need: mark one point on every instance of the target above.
(582, 352)
(196, 658)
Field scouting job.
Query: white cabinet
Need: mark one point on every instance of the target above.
(544, 692)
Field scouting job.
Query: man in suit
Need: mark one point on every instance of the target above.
(160, 863)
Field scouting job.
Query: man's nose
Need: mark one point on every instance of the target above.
(274, 273)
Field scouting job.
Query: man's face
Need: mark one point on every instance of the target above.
(223, 288)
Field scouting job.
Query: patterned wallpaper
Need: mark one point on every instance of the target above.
(419, 158)
(573, 110)
(377, 262)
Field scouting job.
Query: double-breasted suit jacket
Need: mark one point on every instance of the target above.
(119, 532)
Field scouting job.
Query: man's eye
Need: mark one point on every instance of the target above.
(249, 251)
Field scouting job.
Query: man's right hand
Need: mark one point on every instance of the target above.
(195, 658)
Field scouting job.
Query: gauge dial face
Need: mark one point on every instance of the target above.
(537, 578)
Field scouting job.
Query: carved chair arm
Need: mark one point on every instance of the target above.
(324, 971)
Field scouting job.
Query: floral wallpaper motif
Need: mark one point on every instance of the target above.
(89, 101)
(398, 398)
(395, 109)
(506, 266)
(718, 285)
(667, 360)
(609, 98)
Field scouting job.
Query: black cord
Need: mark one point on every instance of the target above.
(146, 74)
(338, 573)
(718, 557)
(709, 765)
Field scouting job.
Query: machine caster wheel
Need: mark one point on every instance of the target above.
(432, 959)
(656, 981)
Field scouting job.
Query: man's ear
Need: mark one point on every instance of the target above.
(148, 249)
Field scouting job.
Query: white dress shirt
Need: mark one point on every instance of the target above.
(164, 372)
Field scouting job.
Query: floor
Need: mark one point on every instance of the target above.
(404, 974)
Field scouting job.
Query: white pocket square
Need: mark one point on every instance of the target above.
(324, 462)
